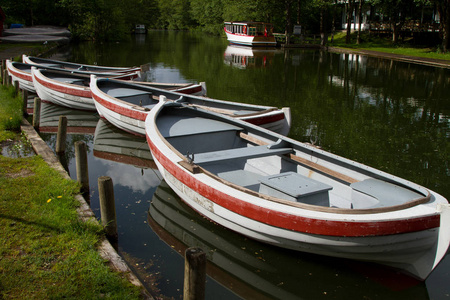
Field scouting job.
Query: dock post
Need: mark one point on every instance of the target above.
(17, 88)
(62, 135)
(25, 102)
(37, 113)
(82, 166)
(107, 206)
(5, 77)
(194, 274)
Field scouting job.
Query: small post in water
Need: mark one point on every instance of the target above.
(82, 166)
(25, 102)
(107, 207)
(36, 112)
(194, 274)
(62, 135)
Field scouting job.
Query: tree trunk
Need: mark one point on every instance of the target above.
(358, 39)
(349, 20)
(443, 7)
(288, 21)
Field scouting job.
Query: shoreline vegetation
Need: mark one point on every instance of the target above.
(48, 251)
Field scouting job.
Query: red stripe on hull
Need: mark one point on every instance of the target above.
(124, 111)
(293, 222)
(65, 90)
(265, 119)
(20, 75)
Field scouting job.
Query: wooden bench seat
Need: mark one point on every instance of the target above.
(246, 152)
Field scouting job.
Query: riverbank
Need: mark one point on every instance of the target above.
(53, 245)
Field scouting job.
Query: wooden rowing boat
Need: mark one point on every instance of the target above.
(72, 89)
(71, 66)
(21, 73)
(293, 195)
(126, 105)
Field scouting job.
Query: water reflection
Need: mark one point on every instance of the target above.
(78, 121)
(247, 57)
(256, 271)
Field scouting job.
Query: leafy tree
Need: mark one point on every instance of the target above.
(208, 14)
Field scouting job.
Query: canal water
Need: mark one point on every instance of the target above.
(390, 115)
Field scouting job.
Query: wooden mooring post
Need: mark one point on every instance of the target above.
(25, 102)
(36, 112)
(16, 88)
(61, 135)
(107, 207)
(194, 274)
(82, 167)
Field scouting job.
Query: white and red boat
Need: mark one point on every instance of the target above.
(289, 194)
(72, 89)
(250, 33)
(21, 72)
(71, 66)
(126, 105)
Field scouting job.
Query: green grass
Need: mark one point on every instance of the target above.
(374, 43)
(46, 251)
(10, 110)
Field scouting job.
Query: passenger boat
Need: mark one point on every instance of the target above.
(126, 105)
(250, 33)
(277, 190)
(72, 89)
(75, 66)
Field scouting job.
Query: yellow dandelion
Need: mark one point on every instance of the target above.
(49, 200)
(59, 197)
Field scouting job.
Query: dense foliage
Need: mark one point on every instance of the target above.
(113, 19)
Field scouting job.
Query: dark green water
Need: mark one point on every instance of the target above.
(390, 115)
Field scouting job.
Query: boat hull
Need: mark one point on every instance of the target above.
(61, 93)
(131, 117)
(253, 41)
(411, 240)
(24, 78)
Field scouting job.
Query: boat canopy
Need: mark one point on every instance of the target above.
(250, 28)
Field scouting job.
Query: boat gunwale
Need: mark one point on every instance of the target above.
(29, 60)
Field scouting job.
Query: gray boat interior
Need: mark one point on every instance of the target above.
(218, 147)
(133, 93)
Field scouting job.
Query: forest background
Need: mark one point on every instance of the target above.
(114, 19)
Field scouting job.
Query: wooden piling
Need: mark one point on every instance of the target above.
(25, 102)
(107, 206)
(37, 113)
(16, 87)
(194, 274)
(5, 77)
(62, 135)
(82, 166)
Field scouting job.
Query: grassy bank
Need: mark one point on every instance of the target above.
(46, 251)
(375, 43)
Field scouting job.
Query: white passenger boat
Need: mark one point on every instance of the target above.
(250, 33)
(286, 193)
(126, 105)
